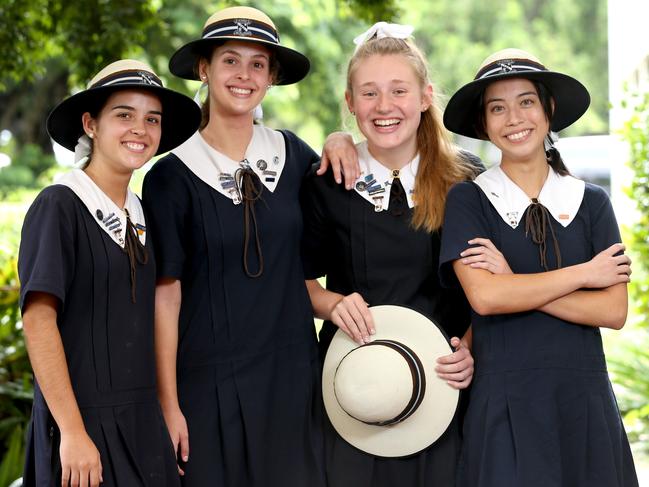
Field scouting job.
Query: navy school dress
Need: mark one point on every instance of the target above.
(108, 343)
(247, 366)
(379, 255)
(542, 412)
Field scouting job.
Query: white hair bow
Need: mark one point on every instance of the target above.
(82, 150)
(383, 29)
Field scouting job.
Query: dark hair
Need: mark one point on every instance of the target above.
(545, 97)
(95, 107)
(207, 53)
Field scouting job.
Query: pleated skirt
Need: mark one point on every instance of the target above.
(133, 442)
(545, 427)
(255, 421)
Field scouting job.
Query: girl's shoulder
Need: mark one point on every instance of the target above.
(56, 199)
(464, 189)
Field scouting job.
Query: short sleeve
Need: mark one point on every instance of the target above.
(46, 259)
(464, 219)
(604, 228)
(303, 154)
(166, 198)
(317, 232)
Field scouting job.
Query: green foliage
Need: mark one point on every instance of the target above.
(27, 166)
(23, 33)
(630, 370)
(86, 34)
(16, 389)
(630, 366)
(568, 36)
(374, 10)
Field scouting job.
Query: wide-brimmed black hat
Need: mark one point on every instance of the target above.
(240, 24)
(181, 116)
(571, 98)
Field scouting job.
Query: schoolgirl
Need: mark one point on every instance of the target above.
(87, 289)
(379, 242)
(542, 411)
(237, 359)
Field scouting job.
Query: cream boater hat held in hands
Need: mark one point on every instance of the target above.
(385, 397)
(240, 24)
(181, 115)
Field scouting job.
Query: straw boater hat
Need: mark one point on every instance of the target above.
(571, 98)
(385, 397)
(180, 114)
(240, 24)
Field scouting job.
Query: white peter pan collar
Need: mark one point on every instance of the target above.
(561, 195)
(110, 217)
(375, 179)
(265, 155)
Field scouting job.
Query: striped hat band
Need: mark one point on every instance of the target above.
(243, 28)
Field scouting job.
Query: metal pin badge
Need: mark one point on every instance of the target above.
(275, 160)
(262, 165)
(100, 215)
(361, 186)
(378, 203)
(236, 197)
(228, 184)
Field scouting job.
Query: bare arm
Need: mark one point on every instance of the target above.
(339, 152)
(80, 461)
(349, 313)
(167, 310)
(602, 307)
(511, 293)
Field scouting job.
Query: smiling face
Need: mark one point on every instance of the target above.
(126, 132)
(515, 120)
(388, 99)
(238, 74)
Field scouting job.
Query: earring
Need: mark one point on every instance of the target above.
(352, 112)
(90, 135)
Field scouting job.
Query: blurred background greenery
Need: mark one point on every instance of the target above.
(50, 48)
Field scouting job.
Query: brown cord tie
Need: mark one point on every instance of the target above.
(136, 252)
(537, 220)
(250, 189)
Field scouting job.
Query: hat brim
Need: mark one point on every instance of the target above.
(571, 100)
(293, 65)
(181, 116)
(433, 416)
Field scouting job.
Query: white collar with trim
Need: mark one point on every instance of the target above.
(265, 155)
(375, 179)
(110, 217)
(561, 195)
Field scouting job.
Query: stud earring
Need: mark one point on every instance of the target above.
(90, 135)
